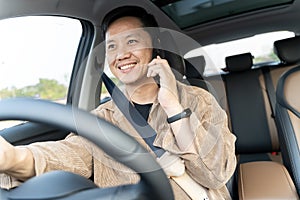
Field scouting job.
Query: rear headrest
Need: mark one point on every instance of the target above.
(288, 50)
(238, 63)
(194, 67)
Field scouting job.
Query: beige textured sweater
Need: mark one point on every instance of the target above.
(212, 165)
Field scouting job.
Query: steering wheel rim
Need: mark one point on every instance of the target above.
(125, 150)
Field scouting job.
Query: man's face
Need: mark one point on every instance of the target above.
(128, 50)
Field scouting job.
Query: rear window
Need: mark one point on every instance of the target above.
(260, 46)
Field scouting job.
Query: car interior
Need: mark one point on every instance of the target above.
(260, 99)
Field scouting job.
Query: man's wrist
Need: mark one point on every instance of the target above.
(24, 164)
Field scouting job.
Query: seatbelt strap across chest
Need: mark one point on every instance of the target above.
(142, 127)
(194, 190)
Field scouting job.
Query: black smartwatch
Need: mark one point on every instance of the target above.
(185, 113)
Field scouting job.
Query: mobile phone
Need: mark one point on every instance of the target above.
(157, 80)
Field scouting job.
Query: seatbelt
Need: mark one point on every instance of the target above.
(142, 127)
(189, 185)
(270, 89)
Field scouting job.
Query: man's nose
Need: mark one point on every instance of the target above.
(123, 53)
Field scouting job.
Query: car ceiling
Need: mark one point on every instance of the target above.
(270, 19)
(91, 10)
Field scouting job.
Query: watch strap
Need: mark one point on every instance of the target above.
(184, 114)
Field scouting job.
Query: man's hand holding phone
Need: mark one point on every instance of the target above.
(167, 95)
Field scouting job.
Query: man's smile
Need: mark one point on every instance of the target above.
(126, 66)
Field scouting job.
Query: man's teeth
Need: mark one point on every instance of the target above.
(126, 66)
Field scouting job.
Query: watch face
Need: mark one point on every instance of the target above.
(187, 112)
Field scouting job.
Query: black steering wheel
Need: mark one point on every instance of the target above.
(65, 185)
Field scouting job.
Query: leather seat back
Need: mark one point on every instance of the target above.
(247, 108)
(288, 121)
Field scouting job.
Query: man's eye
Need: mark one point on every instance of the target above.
(132, 41)
(111, 46)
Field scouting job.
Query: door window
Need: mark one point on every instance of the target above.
(37, 54)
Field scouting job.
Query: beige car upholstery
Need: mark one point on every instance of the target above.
(288, 120)
(244, 93)
(265, 180)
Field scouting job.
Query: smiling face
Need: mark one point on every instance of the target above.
(128, 50)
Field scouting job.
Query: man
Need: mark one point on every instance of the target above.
(200, 139)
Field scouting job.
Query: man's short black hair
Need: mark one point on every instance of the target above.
(146, 18)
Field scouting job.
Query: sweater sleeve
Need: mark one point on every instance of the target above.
(73, 154)
(215, 161)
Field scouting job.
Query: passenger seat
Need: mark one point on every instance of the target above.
(287, 107)
(288, 119)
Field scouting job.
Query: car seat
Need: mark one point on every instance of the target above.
(288, 121)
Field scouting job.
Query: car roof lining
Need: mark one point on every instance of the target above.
(187, 13)
(239, 26)
(78, 9)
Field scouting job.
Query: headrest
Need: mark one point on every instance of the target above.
(288, 50)
(172, 54)
(238, 63)
(287, 90)
(194, 67)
